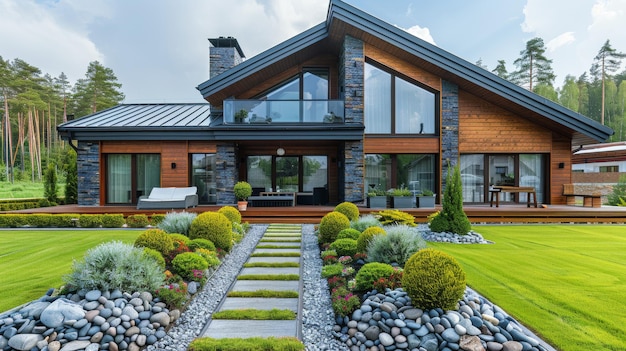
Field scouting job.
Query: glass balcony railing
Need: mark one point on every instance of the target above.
(283, 111)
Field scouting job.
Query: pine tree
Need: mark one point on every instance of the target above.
(608, 60)
(500, 70)
(50, 185)
(452, 218)
(533, 67)
(97, 91)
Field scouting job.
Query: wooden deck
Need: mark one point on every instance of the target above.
(506, 213)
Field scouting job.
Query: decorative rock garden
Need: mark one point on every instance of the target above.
(89, 320)
(389, 322)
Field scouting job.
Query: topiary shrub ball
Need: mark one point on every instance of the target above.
(349, 233)
(156, 239)
(344, 247)
(187, 262)
(367, 235)
(231, 213)
(214, 227)
(330, 226)
(349, 209)
(370, 273)
(433, 279)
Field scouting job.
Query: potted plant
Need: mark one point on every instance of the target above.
(242, 190)
(240, 116)
(401, 197)
(426, 199)
(376, 198)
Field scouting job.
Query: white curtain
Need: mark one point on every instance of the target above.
(119, 179)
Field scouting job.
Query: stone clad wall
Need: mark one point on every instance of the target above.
(351, 75)
(449, 128)
(227, 173)
(88, 163)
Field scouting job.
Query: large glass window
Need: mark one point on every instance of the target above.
(531, 169)
(314, 172)
(395, 105)
(413, 171)
(259, 169)
(203, 177)
(287, 178)
(129, 176)
(472, 169)
(287, 173)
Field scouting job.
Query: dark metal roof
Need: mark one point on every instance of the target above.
(345, 19)
(191, 122)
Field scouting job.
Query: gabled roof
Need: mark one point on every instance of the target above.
(343, 19)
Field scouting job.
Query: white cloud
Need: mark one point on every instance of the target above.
(560, 41)
(422, 33)
(33, 34)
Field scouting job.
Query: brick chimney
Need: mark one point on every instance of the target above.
(224, 53)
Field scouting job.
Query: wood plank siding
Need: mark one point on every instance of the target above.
(486, 128)
(171, 152)
(404, 67)
(561, 153)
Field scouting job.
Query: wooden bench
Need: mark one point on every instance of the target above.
(273, 199)
(531, 194)
(589, 200)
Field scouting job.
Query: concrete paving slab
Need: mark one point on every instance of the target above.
(254, 285)
(260, 303)
(221, 328)
(275, 251)
(270, 270)
(273, 259)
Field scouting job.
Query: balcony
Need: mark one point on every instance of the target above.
(283, 111)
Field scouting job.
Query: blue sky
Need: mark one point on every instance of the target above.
(158, 49)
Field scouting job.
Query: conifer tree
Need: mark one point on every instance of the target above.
(533, 67)
(608, 60)
(452, 218)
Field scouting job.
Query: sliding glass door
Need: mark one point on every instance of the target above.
(287, 173)
(129, 176)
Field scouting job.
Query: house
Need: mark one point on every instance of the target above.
(350, 104)
(598, 167)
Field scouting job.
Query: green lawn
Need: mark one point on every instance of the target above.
(33, 261)
(566, 282)
(25, 190)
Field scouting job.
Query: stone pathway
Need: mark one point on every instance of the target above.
(278, 240)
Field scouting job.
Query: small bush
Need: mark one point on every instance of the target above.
(177, 239)
(433, 279)
(209, 256)
(332, 270)
(349, 209)
(370, 273)
(173, 295)
(367, 235)
(156, 218)
(177, 222)
(365, 222)
(186, 263)
(90, 221)
(330, 226)
(156, 255)
(201, 244)
(400, 243)
(392, 282)
(231, 213)
(113, 221)
(137, 221)
(155, 239)
(215, 227)
(344, 247)
(389, 217)
(344, 302)
(115, 265)
(452, 218)
(349, 233)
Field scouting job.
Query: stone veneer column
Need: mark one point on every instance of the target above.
(88, 167)
(222, 59)
(226, 173)
(351, 76)
(449, 128)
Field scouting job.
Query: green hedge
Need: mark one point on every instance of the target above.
(66, 220)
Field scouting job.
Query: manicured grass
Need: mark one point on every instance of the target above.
(268, 277)
(33, 261)
(272, 264)
(265, 293)
(248, 344)
(254, 314)
(280, 240)
(25, 190)
(565, 282)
